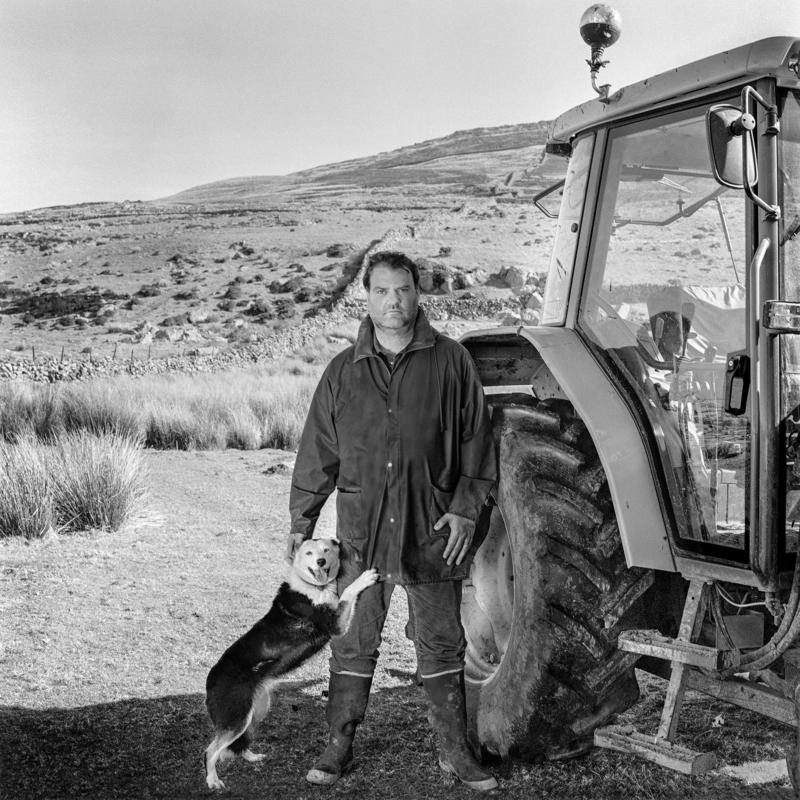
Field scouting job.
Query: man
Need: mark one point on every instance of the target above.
(398, 425)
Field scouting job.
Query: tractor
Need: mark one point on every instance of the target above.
(648, 427)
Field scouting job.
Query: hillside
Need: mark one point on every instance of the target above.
(248, 268)
(471, 160)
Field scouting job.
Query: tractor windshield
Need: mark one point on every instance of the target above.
(664, 303)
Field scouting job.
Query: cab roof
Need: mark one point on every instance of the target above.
(776, 56)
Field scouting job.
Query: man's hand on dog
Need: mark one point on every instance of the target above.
(462, 530)
(295, 540)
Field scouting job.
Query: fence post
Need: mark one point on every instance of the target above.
(62, 354)
(114, 355)
(33, 352)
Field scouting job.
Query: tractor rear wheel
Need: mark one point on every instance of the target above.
(549, 592)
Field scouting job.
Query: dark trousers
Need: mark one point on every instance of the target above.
(434, 626)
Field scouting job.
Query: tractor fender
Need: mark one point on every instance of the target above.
(555, 363)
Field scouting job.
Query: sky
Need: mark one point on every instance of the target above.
(110, 100)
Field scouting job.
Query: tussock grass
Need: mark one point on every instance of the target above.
(97, 480)
(247, 409)
(99, 408)
(28, 409)
(26, 496)
(76, 481)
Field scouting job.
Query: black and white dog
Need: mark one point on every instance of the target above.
(305, 614)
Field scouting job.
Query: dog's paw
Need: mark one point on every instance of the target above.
(249, 755)
(214, 782)
(369, 577)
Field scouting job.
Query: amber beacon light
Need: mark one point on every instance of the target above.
(600, 27)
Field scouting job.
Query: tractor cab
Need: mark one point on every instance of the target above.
(678, 221)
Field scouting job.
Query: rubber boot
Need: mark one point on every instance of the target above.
(347, 703)
(448, 716)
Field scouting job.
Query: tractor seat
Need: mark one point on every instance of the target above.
(699, 323)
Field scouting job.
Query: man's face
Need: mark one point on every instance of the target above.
(392, 299)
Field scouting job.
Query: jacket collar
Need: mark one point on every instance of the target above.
(424, 336)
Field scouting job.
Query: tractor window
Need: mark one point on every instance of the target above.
(664, 300)
(789, 171)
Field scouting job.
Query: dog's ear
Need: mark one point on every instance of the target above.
(335, 541)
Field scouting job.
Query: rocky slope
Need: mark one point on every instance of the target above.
(473, 161)
(250, 268)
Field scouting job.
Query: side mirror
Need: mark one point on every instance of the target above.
(725, 127)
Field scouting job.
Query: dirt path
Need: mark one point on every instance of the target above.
(105, 642)
(182, 582)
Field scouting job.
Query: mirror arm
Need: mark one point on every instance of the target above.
(773, 126)
(772, 129)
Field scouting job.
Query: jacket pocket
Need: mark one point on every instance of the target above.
(350, 515)
(440, 504)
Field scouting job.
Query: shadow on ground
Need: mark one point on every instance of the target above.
(143, 748)
(153, 748)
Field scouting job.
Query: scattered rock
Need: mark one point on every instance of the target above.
(281, 468)
(149, 290)
(535, 301)
(241, 250)
(168, 335)
(177, 319)
(340, 250)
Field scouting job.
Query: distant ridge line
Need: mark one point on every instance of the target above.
(457, 162)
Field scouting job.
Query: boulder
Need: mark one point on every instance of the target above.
(466, 280)
(191, 335)
(445, 282)
(514, 276)
(168, 335)
(534, 301)
(198, 316)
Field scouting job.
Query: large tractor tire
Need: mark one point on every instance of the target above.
(549, 592)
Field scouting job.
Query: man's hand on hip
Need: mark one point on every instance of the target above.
(462, 531)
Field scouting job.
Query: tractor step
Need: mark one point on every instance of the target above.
(682, 653)
(667, 754)
(652, 643)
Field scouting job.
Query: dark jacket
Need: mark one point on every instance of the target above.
(402, 448)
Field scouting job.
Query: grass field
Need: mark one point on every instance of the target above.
(264, 406)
